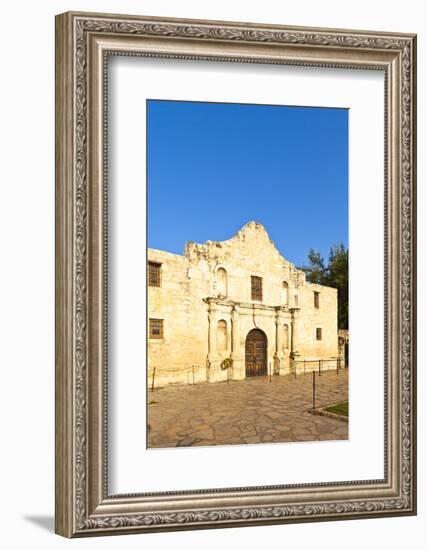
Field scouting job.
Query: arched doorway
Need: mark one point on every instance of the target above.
(256, 353)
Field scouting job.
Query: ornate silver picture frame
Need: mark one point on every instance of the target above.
(84, 505)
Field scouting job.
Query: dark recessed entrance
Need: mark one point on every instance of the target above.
(256, 353)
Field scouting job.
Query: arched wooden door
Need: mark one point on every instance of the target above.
(256, 353)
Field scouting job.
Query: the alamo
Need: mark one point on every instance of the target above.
(234, 309)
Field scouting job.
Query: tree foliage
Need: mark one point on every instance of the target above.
(334, 274)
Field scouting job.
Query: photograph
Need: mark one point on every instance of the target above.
(247, 274)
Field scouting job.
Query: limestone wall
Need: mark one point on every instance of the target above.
(323, 317)
(249, 252)
(207, 309)
(178, 302)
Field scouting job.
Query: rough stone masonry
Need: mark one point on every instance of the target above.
(233, 309)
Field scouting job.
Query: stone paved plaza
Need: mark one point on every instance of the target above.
(253, 410)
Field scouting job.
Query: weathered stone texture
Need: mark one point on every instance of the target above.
(207, 312)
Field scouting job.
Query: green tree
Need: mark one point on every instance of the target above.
(335, 275)
(316, 270)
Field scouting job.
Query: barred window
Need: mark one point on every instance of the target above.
(153, 274)
(156, 329)
(318, 333)
(316, 300)
(256, 288)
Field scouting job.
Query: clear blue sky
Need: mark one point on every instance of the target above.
(212, 167)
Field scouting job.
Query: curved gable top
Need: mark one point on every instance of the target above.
(252, 236)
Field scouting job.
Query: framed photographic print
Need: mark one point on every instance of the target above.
(235, 274)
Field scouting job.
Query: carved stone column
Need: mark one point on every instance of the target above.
(295, 330)
(236, 331)
(294, 333)
(212, 317)
(279, 334)
(236, 354)
(279, 356)
(213, 359)
(212, 331)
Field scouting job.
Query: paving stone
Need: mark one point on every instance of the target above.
(204, 434)
(252, 439)
(274, 415)
(248, 411)
(187, 442)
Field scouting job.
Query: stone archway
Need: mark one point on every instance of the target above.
(256, 353)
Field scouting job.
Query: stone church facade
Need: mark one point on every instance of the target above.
(233, 309)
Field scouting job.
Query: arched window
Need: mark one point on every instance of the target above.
(221, 336)
(285, 336)
(285, 293)
(222, 282)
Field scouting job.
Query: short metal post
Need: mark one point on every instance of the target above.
(319, 368)
(338, 365)
(314, 390)
(193, 374)
(152, 383)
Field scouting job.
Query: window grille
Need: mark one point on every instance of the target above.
(153, 274)
(156, 329)
(256, 288)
